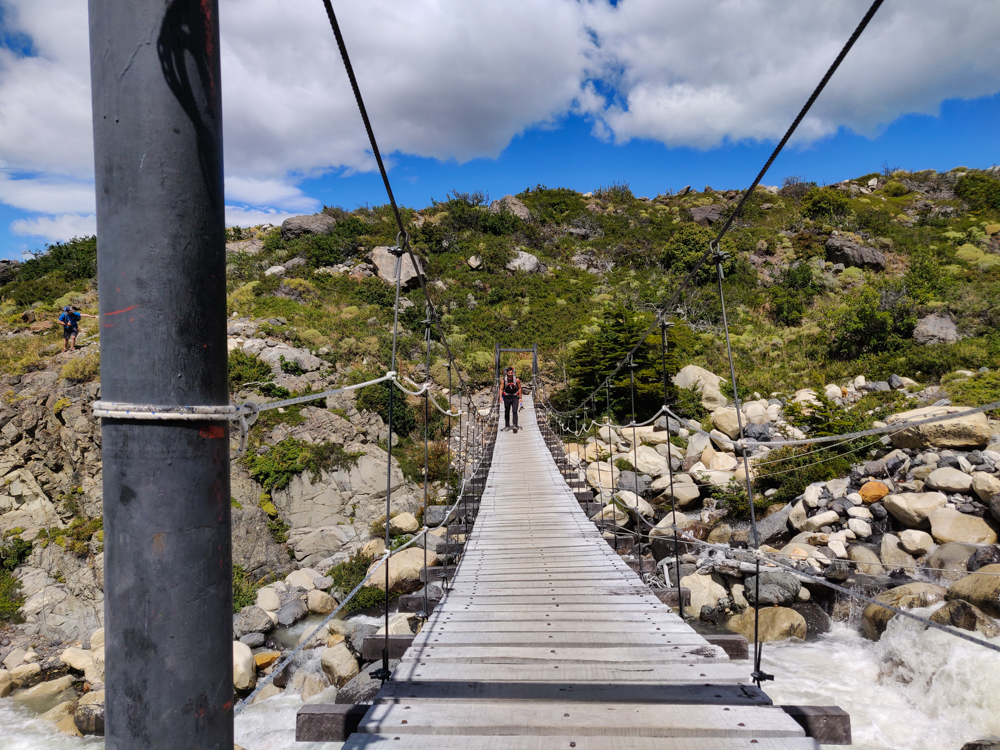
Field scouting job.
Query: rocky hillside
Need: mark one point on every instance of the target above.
(891, 276)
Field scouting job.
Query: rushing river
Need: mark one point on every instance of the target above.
(915, 689)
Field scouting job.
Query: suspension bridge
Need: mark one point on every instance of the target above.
(547, 638)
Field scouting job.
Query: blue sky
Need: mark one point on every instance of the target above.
(500, 96)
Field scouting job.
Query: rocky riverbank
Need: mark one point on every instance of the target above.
(914, 524)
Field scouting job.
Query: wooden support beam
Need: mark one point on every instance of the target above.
(828, 725)
(372, 645)
(328, 722)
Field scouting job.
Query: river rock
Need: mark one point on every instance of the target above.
(875, 619)
(872, 492)
(385, 264)
(704, 383)
(947, 479)
(339, 664)
(629, 480)
(985, 485)
(77, 659)
(611, 514)
(59, 712)
(683, 494)
(89, 718)
(302, 578)
(602, 475)
(362, 688)
(917, 543)
(292, 612)
(268, 599)
(706, 590)
(949, 525)
(646, 460)
(404, 570)
(960, 614)
(981, 588)
(982, 557)
(825, 518)
(726, 420)
(24, 675)
(913, 509)
(867, 560)
(776, 624)
(244, 667)
(44, 690)
(776, 588)
(818, 622)
(665, 526)
(6, 683)
(949, 561)
(893, 554)
(969, 431)
(634, 503)
(859, 527)
(296, 226)
(320, 602)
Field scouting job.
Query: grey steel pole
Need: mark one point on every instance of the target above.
(157, 110)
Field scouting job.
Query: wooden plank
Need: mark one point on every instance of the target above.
(512, 718)
(675, 674)
(538, 638)
(659, 654)
(326, 722)
(475, 692)
(392, 741)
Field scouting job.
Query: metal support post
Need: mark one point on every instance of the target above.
(157, 112)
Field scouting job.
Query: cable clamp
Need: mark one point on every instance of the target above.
(758, 676)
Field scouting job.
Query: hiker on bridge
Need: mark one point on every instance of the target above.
(510, 391)
(70, 320)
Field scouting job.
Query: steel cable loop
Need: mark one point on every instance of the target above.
(853, 594)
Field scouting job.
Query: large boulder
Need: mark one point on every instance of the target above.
(981, 588)
(404, 570)
(244, 667)
(894, 554)
(912, 509)
(777, 588)
(875, 619)
(726, 420)
(682, 494)
(251, 619)
(646, 460)
(339, 664)
(843, 250)
(632, 502)
(958, 613)
(949, 562)
(296, 226)
(947, 479)
(511, 205)
(601, 474)
(867, 560)
(704, 382)
(385, 264)
(985, 485)
(949, 525)
(525, 262)
(938, 328)
(776, 624)
(707, 215)
(706, 590)
(281, 353)
(969, 431)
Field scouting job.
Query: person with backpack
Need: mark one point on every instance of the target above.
(510, 392)
(70, 320)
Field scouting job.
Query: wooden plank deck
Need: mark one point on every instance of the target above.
(547, 639)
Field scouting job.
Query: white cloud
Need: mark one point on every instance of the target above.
(47, 194)
(269, 193)
(453, 79)
(244, 216)
(56, 228)
(696, 74)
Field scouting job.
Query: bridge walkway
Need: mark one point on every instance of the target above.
(547, 639)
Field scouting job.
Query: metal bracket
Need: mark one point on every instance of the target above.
(381, 674)
(759, 676)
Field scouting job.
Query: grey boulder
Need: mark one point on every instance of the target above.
(251, 619)
(776, 588)
(296, 226)
(292, 612)
(843, 250)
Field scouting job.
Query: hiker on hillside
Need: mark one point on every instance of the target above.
(510, 391)
(70, 320)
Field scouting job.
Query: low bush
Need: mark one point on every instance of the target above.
(74, 538)
(13, 552)
(245, 588)
(83, 369)
(980, 390)
(376, 398)
(289, 458)
(825, 204)
(980, 190)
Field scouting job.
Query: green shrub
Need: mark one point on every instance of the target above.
(874, 318)
(733, 497)
(275, 469)
(376, 398)
(980, 190)
(374, 291)
(244, 588)
(895, 189)
(791, 469)
(686, 247)
(553, 206)
(244, 368)
(825, 203)
(83, 369)
(982, 389)
(74, 538)
(351, 572)
(793, 293)
(623, 464)
(279, 530)
(13, 552)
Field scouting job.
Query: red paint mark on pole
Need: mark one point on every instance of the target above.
(119, 312)
(212, 431)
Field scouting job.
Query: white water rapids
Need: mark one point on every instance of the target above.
(916, 689)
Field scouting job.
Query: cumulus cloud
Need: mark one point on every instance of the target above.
(246, 216)
(457, 80)
(697, 74)
(55, 228)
